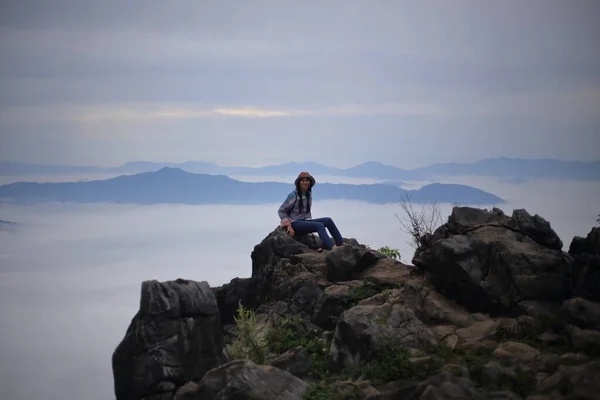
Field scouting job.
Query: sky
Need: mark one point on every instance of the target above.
(265, 82)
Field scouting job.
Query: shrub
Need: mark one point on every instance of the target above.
(250, 343)
(392, 253)
(392, 362)
(289, 333)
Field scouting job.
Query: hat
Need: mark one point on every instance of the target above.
(305, 175)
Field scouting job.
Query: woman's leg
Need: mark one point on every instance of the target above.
(329, 224)
(304, 227)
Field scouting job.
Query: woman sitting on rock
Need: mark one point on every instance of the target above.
(295, 214)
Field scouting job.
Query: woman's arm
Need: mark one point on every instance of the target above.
(286, 208)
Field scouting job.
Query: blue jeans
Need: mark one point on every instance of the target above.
(318, 225)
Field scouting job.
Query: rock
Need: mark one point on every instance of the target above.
(174, 338)
(388, 272)
(296, 361)
(363, 330)
(467, 219)
(539, 309)
(517, 351)
(573, 382)
(229, 296)
(353, 389)
(278, 244)
(446, 334)
(573, 358)
(585, 340)
(348, 262)
(582, 312)
(493, 373)
(445, 386)
(475, 333)
(585, 273)
(333, 302)
(187, 391)
(503, 395)
(242, 379)
(430, 306)
(490, 263)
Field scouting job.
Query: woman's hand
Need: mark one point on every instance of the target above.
(290, 230)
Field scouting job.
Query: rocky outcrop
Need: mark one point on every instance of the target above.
(585, 270)
(364, 329)
(174, 338)
(489, 262)
(246, 380)
(493, 309)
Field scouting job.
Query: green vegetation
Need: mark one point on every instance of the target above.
(369, 289)
(392, 253)
(392, 362)
(359, 293)
(289, 333)
(319, 391)
(323, 391)
(250, 342)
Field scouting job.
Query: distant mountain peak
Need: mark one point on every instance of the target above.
(171, 170)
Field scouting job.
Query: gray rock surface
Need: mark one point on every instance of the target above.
(174, 338)
(489, 262)
(242, 379)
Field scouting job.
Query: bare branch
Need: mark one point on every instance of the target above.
(418, 223)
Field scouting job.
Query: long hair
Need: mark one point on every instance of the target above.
(300, 202)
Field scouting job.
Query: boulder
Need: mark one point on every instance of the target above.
(246, 291)
(332, 304)
(174, 338)
(349, 261)
(296, 361)
(585, 272)
(581, 312)
(244, 379)
(489, 262)
(363, 330)
(445, 386)
(573, 382)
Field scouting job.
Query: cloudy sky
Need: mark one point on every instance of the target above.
(262, 82)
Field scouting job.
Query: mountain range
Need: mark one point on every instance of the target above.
(174, 185)
(509, 168)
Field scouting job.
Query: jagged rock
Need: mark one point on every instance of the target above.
(467, 219)
(475, 333)
(573, 382)
(581, 312)
(493, 372)
(347, 262)
(174, 338)
(445, 386)
(333, 302)
(278, 244)
(517, 351)
(187, 391)
(539, 308)
(586, 340)
(503, 395)
(585, 271)
(229, 296)
(242, 379)
(387, 271)
(446, 334)
(430, 306)
(362, 330)
(296, 361)
(488, 262)
(353, 389)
